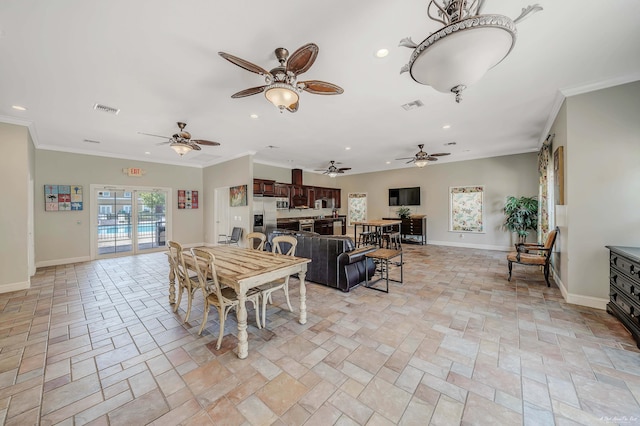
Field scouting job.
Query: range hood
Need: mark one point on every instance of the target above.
(299, 199)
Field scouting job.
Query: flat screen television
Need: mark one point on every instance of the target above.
(404, 196)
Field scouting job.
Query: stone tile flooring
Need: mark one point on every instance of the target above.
(97, 343)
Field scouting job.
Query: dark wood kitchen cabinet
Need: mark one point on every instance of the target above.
(624, 287)
(282, 190)
(264, 187)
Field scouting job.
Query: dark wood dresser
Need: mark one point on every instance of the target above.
(413, 229)
(624, 287)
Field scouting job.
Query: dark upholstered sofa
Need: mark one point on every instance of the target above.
(335, 262)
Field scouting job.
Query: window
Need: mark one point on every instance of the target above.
(466, 209)
(127, 195)
(105, 210)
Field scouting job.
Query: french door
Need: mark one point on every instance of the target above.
(128, 220)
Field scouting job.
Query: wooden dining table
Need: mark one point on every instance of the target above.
(378, 225)
(243, 269)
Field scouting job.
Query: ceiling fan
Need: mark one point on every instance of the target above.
(421, 158)
(181, 142)
(282, 88)
(332, 170)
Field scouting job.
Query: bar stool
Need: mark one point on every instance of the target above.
(392, 240)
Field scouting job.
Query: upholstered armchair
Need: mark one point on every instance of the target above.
(534, 254)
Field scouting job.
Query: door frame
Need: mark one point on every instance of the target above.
(93, 214)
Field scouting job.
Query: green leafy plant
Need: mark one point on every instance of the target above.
(403, 212)
(522, 215)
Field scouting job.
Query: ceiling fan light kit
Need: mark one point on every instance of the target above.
(181, 142)
(421, 159)
(181, 148)
(333, 171)
(459, 54)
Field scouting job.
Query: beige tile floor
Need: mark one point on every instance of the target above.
(98, 343)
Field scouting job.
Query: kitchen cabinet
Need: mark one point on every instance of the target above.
(624, 287)
(264, 187)
(336, 197)
(282, 190)
(311, 196)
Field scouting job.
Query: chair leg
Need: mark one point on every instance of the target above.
(546, 274)
(221, 318)
(204, 317)
(256, 307)
(510, 267)
(177, 305)
(286, 295)
(189, 300)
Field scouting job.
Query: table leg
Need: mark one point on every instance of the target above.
(303, 296)
(243, 344)
(172, 284)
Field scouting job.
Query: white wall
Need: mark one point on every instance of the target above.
(16, 168)
(501, 176)
(231, 173)
(603, 171)
(62, 237)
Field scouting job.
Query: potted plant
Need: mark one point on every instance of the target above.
(403, 212)
(522, 215)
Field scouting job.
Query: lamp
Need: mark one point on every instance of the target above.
(333, 174)
(282, 95)
(460, 53)
(181, 147)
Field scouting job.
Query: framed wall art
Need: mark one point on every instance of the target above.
(558, 176)
(238, 196)
(62, 198)
(466, 209)
(187, 199)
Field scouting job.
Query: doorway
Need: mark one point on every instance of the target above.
(221, 201)
(128, 220)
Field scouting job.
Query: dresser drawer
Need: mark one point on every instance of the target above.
(626, 305)
(625, 284)
(625, 265)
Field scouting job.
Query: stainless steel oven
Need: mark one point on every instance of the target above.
(306, 225)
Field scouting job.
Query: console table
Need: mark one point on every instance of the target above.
(413, 229)
(624, 287)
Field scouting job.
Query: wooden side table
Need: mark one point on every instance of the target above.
(383, 255)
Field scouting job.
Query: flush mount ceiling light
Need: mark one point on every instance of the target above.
(460, 53)
(282, 87)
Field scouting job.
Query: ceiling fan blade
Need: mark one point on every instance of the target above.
(244, 64)
(164, 143)
(157, 136)
(205, 142)
(431, 158)
(248, 92)
(301, 60)
(411, 161)
(440, 154)
(321, 87)
(344, 168)
(195, 147)
(406, 158)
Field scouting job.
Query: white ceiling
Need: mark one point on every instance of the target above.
(157, 61)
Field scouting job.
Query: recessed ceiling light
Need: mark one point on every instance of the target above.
(347, 148)
(254, 116)
(388, 162)
(147, 152)
(446, 126)
(18, 107)
(381, 53)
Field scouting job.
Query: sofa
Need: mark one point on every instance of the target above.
(335, 261)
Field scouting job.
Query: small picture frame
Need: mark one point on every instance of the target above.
(238, 196)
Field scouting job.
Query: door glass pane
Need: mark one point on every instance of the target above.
(151, 229)
(114, 222)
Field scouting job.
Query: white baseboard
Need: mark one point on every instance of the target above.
(56, 262)
(473, 246)
(578, 299)
(6, 288)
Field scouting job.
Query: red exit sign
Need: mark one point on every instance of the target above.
(134, 171)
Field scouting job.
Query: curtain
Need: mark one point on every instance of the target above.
(543, 191)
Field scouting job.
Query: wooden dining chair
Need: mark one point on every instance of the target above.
(278, 245)
(256, 245)
(222, 297)
(185, 281)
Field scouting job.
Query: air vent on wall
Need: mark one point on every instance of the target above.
(107, 109)
(413, 105)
